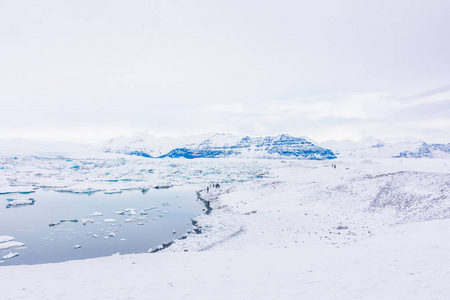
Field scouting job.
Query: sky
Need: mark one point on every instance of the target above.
(87, 71)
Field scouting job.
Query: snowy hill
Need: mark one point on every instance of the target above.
(219, 145)
(372, 148)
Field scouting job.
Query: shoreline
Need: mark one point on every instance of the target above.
(195, 226)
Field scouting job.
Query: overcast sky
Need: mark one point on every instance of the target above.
(90, 70)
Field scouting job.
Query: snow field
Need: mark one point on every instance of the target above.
(304, 231)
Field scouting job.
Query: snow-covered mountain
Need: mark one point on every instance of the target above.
(373, 148)
(219, 145)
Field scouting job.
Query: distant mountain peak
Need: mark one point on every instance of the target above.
(374, 148)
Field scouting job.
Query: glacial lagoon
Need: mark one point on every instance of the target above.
(65, 226)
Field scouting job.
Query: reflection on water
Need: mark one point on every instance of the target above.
(63, 226)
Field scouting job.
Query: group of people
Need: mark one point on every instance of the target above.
(212, 185)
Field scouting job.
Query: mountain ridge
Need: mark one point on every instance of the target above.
(220, 145)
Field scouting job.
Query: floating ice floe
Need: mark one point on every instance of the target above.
(113, 192)
(150, 208)
(10, 244)
(112, 234)
(130, 211)
(85, 221)
(17, 189)
(5, 238)
(69, 220)
(83, 188)
(54, 224)
(130, 220)
(96, 214)
(19, 202)
(110, 220)
(140, 223)
(77, 246)
(10, 255)
(122, 212)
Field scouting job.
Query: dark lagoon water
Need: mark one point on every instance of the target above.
(149, 219)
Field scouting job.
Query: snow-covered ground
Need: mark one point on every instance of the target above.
(368, 229)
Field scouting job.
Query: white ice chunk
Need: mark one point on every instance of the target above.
(110, 220)
(122, 212)
(150, 208)
(20, 201)
(5, 238)
(96, 214)
(10, 255)
(112, 234)
(10, 244)
(17, 189)
(77, 246)
(85, 221)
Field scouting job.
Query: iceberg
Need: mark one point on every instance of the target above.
(10, 255)
(10, 244)
(68, 220)
(19, 202)
(96, 214)
(5, 238)
(17, 189)
(110, 220)
(130, 211)
(85, 221)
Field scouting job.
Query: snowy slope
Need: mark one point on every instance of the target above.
(219, 145)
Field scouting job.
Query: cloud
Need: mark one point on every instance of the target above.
(319, 68)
